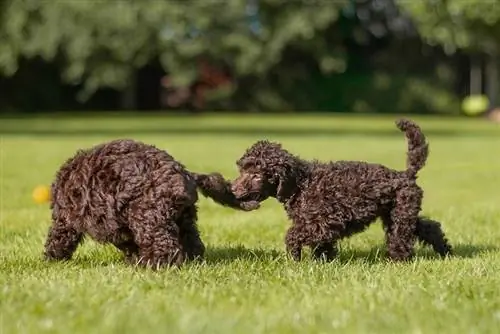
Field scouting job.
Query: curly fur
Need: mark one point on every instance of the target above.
(136, 197)
(328, 201)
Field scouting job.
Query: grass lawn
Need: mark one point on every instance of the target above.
(246, 283)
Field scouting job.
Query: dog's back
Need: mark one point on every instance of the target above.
(98, 186)
(355, 184)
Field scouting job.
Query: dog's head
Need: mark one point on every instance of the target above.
(266, 170)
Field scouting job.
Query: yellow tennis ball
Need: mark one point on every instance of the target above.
(41, 194)
(475, 104)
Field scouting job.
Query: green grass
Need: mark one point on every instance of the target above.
(247, 284)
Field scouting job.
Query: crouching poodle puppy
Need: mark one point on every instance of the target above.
(333, 200)
(136, 197)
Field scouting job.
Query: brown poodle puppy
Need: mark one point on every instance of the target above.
(136, 197)
(330, 201)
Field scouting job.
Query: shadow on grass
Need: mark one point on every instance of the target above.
(373, 255)
(378, 254)
(470, 251)
(88, 261)
(78, 262)
(224, 255)
(216, 255)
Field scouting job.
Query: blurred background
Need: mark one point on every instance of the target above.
(353, 56)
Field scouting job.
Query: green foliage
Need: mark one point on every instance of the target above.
(457, 24)
(100, 43)
(374, 92)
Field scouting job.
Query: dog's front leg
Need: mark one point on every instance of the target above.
(325, 251)
(294, 242)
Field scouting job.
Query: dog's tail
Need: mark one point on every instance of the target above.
(429, 233)
(217, 188)
(418, 148)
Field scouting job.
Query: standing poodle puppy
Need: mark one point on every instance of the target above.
(330, 201)
(136, 197)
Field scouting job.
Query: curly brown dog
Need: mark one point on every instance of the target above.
(136, 197)
(333, 200)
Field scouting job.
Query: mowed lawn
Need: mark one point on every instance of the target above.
(246, 283)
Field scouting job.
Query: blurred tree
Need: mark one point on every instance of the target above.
(103, 43)
(457, 24)
(472, 25)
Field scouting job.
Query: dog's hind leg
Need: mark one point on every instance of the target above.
(429, 232)
(129, 249)
(157, 236)
(401, 230)
(62, 239)
(190, 236)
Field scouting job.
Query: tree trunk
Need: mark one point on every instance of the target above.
(128, 98)
(475, 76)
(492, 78)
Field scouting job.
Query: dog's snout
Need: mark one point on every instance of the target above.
(237, 190)
(234, 189)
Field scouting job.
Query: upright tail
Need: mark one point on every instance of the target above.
(219, 190)
(429, 233)
(418, 148)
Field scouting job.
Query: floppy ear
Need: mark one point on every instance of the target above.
(287, 184)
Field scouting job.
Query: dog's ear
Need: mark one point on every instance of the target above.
(287, 184)
(285, 188)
